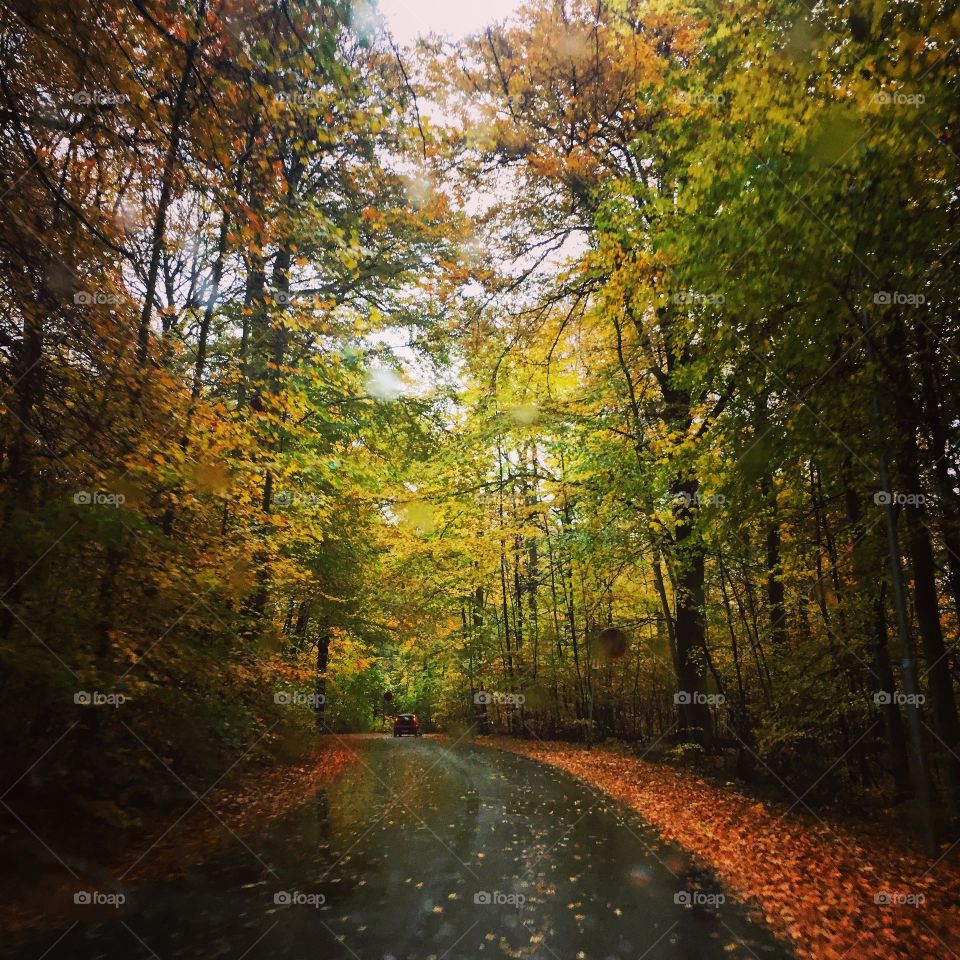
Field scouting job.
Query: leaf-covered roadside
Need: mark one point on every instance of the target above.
(216, 822)
(211, 823)
(813, 882)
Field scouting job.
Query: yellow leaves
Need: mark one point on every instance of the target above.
(524, 414)
(910, 46)
(943, 34)
(239, 576)
(834, 137)
(418, 514)
(212, 477)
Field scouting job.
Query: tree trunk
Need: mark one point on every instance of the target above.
(320, 688)
(166, 193)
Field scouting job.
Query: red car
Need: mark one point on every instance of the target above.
(406, 724)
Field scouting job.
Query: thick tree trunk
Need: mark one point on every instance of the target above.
(943, 470)
(923, 567)
(690, 627)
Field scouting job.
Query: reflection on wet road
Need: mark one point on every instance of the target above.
(425, 850)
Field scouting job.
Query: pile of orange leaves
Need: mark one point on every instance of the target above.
(830, 892)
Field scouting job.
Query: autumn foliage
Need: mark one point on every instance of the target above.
(829, 890)
(593, 377)
(211, 235)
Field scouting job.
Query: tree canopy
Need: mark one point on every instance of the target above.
(592, 376)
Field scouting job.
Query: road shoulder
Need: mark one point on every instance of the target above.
(827, 891)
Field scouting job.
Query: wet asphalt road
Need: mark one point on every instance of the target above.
(425, 850)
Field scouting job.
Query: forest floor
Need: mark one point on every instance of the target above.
(166, 845)
(830, 891)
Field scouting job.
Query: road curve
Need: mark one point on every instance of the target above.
(427, 850)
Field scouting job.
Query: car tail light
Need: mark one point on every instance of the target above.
(414, 718)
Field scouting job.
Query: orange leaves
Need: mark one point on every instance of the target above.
(829, 890)
(242, 808)
(212, 477)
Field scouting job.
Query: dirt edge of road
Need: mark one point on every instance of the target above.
(209, 825)
(826, 891)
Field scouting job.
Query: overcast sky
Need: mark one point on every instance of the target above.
(409, 18)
